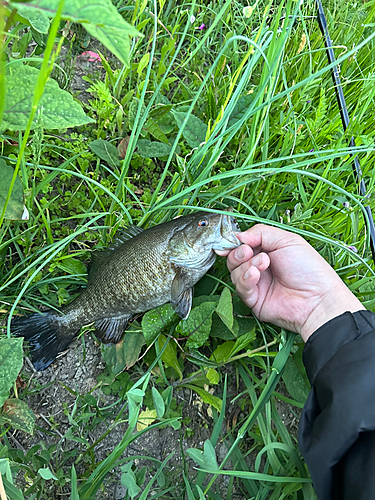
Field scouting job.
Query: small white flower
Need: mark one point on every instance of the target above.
(192, 19)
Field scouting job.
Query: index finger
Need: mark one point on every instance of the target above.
(268, 238)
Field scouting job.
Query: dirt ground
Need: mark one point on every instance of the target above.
(54, 402)
(78, 371)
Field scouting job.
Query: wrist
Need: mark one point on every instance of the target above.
(332, 305)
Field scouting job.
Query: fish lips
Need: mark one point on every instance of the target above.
(227, 239)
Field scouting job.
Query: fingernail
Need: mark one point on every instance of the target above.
(256, 260)
(247, 275)
(239, 253)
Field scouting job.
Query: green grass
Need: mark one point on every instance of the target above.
(247, 111)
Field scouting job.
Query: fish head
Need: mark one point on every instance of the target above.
(205, 232)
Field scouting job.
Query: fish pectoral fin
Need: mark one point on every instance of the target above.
(110, 330)
(182, 303)
(178, 283)
(181, 299)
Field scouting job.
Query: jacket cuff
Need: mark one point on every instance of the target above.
(323, 344)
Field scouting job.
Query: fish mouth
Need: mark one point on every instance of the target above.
(226, 230)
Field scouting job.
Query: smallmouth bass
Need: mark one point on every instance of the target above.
(141, 270)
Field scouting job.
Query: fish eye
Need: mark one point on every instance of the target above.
(203, 223)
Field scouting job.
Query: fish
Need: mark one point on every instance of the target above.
(142, 269)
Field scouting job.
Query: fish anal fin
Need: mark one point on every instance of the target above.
(110, 330)
(181, 299)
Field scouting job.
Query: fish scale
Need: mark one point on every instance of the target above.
(141, 270)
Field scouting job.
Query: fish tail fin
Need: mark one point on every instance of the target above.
(46, 336)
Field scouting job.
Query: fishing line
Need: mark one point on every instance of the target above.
(345, 121)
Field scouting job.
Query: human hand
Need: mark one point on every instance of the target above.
(286, 282)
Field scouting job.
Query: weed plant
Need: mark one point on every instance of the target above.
(215, 105)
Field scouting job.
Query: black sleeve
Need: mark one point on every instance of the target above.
(337, 426)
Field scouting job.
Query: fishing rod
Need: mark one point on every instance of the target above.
(345, 120)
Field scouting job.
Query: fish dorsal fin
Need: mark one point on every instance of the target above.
(125, 234)
(100, 256)
(110, 330)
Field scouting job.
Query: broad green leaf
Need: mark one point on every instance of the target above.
(17, 414)
(160, 110)
(197, 301)
(72, 266)
(194, 131)
(295, 382)
(240, 308)
(240, 108)
(243, 341)
(198, 325)
(106, 151)
(157, 320)
(100, 19)
(219, 330)
(5, 469)
(200, 359)
(225, 308)
(152, 149)
(298, 360)
(136, 395)
(153, 128)
(222, 352)
(126, 352)
(158, 402)
(46, 474)
(206, 459)
(11, 360)
(167, 397)
(145, 419)
(38, 19)
(169, 80)
(113, 356)
(116, 39)
(213, 376)
(134, 409)
(132, 345)
(166, 123)
(128, 479)
(143, 62)
(56, 109)
(206, 396)
(240, 327)
(169, 356)
(15, 207)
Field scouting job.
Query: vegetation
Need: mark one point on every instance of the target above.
(212, 105)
